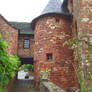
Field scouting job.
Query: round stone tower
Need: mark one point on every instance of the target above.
(52, 32)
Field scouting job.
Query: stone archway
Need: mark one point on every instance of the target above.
(26, 60)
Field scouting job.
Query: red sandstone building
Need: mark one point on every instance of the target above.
(52, 30)
(25, 42)
(9, 34)
(20, 38)
(47, 43)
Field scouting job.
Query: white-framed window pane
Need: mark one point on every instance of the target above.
(26, 43)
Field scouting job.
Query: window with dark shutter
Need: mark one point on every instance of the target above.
(26, 43)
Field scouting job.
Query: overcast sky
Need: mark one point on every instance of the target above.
(22, 10)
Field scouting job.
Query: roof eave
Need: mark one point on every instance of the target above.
(8, 22)
(41, 16)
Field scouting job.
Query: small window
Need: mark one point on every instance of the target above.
(49, 57)
(57, 21)
(26, 43)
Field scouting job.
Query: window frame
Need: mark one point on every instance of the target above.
(28, 44)
(49, 55)
(57, 20)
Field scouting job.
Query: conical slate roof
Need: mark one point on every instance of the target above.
(53, 6)
(64, 7)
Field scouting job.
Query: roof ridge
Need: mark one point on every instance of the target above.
(7, 22)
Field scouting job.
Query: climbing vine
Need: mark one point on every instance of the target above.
(84, 69)
(8, 65)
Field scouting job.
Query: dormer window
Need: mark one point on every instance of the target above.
(26, 44)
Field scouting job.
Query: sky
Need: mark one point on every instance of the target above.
(22, 10)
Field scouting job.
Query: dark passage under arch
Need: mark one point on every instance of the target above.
(26, 60)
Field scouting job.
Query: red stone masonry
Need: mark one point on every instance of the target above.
(51, 37)
(10, 35)
(22, 52)
(82, 29)
(82, 24)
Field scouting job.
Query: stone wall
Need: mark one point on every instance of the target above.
(82, 25)
(51, 37)
(22, 52)
(82, 29)
(49, 87)
(10, 35)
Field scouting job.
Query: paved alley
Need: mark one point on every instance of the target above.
(24, 86)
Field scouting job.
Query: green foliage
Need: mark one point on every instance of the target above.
(28, 66)
(45, 69)
(90, 87)
(72, 43)
(8, 65)
(84, 70)
(39, 79)
(81, 82)
(2, 90)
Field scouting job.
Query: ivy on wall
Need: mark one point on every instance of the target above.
(84, 69)
(8, 65)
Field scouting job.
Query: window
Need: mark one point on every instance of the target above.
(49, 57)
(57, 21)
(26, 43)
